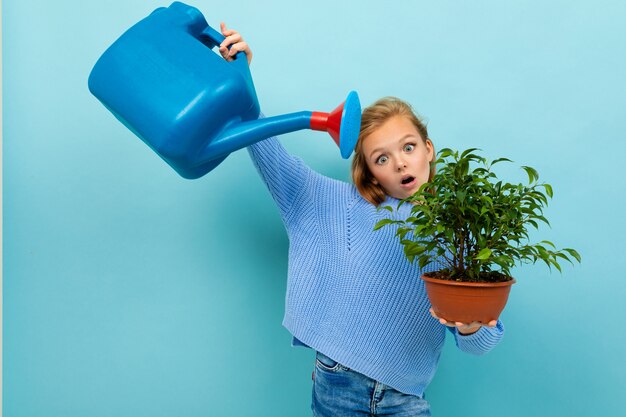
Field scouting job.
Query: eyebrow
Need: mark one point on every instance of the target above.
(408, 135)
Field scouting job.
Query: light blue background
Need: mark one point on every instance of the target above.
(129, 291)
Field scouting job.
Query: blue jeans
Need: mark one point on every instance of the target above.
(342, 392)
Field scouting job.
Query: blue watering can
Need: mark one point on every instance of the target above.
(164, 82)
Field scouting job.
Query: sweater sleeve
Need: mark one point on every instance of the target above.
(481, 342)
(284, 174)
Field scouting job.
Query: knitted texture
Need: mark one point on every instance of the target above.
(351, 293)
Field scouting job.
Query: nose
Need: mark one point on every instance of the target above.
(401, 165)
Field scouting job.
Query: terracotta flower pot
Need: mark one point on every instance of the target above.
(467, 302)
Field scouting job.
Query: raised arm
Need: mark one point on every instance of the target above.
(285, 175)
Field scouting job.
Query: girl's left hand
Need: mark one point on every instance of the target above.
(463, 328)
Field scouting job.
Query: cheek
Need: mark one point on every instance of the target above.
(424, 168)
(374, 170)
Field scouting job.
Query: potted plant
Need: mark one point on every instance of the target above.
(477, 227)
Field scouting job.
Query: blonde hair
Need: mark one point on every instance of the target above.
(372, 118)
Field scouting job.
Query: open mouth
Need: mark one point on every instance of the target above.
(407, 180)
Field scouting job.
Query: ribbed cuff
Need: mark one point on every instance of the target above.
(481, 342)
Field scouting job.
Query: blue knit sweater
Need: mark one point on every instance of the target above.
(351, 293)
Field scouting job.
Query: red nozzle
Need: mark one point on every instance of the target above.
(342, 124)
(328, 122)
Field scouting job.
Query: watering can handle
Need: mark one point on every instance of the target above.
(216, 38)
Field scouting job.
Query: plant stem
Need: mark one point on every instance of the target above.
(461, 251)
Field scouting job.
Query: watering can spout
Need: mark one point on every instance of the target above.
(342, 124)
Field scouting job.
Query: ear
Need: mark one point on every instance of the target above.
(374, 181)
(430, 148)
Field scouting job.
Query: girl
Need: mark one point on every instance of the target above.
(351, 294)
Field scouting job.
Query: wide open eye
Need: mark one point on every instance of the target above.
(409, 147)
(382, 159)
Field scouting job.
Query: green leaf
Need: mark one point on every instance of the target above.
(500, 160)
(414, 250)
(573, 253)
(563, 256)
(463, 168)
(468, 151)
(543, 219)
(446, 152)
(503, 261)
(383, 223)
(483, 254)
(556, 265)
(532, 174)
(548, 188)
(402, 232)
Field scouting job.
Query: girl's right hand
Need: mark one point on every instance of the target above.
(238, 44)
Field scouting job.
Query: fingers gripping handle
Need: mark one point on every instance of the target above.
(215, 38)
